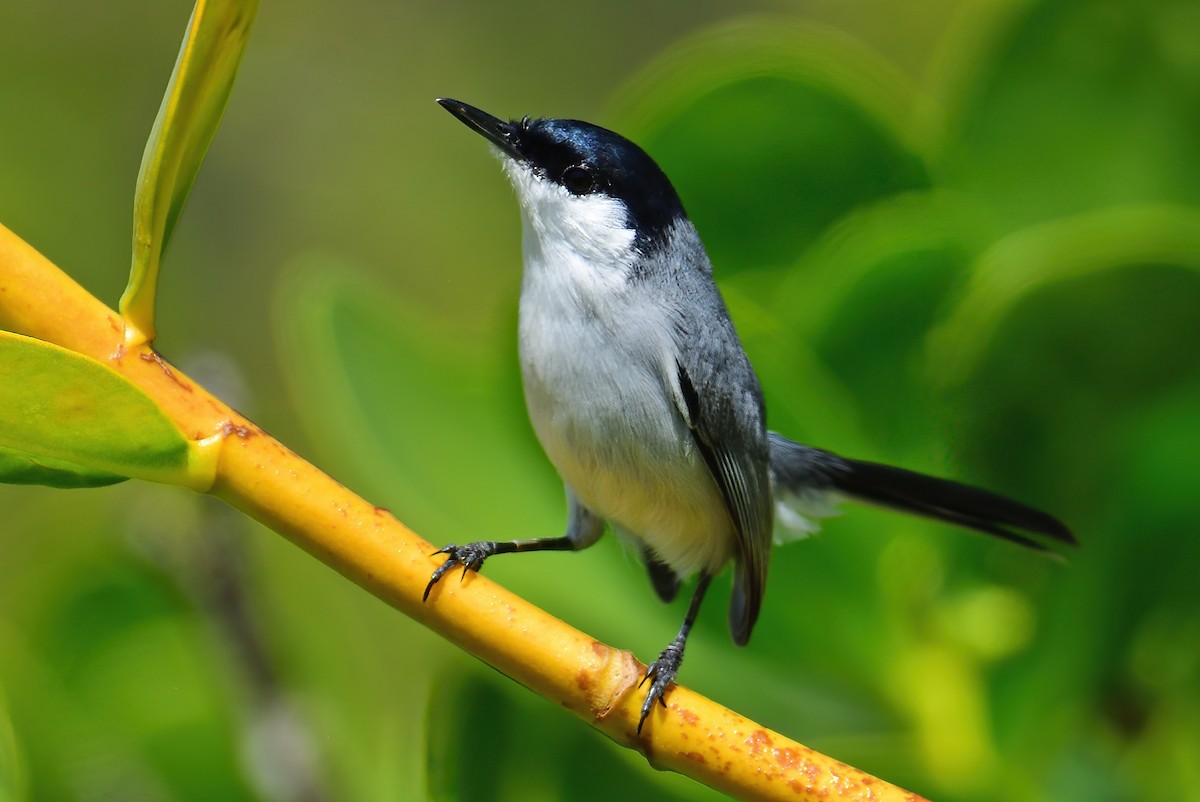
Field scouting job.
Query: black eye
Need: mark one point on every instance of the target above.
(578, 180)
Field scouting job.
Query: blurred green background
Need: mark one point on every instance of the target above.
(959, 236)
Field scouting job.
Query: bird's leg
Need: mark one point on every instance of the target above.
(584, 528)
(662, 671)
(472, 555)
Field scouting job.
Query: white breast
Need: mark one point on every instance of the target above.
(598, 371)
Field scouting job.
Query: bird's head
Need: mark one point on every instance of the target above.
(580, 182)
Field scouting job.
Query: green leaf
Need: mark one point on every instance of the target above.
(1079, 105)
(17, 468)
(1028, 261)
(862, 299)
(57, 406)
(187, 121)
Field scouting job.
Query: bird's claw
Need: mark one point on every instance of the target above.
(470, 557)
(661, 673)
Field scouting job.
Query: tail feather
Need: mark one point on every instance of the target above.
(804, 470)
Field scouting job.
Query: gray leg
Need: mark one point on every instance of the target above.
(662, 671)
(583, 529)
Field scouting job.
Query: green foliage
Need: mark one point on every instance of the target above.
(772, 132)
(960, 238)
(69, 421)
(11, 772)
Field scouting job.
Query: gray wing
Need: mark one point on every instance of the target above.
(717, 394)
(724, 411)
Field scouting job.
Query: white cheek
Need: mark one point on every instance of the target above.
(562, 228)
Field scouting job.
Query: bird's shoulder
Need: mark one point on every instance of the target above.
(709, 355)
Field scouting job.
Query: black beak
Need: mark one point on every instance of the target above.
(501, 134)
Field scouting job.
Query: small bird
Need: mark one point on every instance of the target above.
(642, 396)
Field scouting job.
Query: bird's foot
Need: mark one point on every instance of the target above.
(470, 557)
(661, 673)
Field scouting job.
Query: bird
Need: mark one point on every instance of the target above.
(643, 399)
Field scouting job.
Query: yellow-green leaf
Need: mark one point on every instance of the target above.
(187, 120)
(58, 406)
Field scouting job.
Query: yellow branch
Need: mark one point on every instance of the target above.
(264, 479)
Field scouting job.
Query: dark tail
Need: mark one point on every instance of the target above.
(803, 471)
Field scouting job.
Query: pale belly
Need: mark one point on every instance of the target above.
(628, 456)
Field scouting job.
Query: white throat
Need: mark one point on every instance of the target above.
(580, 242)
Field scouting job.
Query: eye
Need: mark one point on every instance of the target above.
(578, 179)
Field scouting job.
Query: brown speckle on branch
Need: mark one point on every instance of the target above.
(154, 356)
(788, 758)
(758, 742)
(244, 432)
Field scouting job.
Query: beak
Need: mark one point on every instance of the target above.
(501, 134)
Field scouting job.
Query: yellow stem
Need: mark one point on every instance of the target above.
(263, 478)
